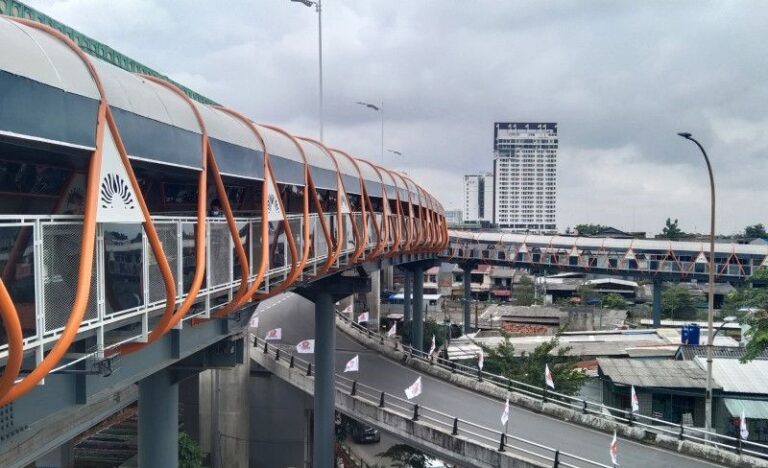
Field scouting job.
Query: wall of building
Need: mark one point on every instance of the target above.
(525, 174)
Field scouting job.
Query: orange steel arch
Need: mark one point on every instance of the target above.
(85, 267)
(339, 240)
(362, 240)
(296, 267)
(420, 231)
(339, 214)
(12, 325)
(380, 229)
(167, 322)
(409, 230)
(262, 271)
(394, 227)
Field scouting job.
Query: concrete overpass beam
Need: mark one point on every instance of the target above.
(373, 298)
(417, 327)
(657, 287)
(159, 421)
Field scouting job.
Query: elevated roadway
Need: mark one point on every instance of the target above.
(294, 315)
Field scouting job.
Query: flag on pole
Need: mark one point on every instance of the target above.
(349, 309)
(635, 401)
(433, 346)
(414, 390)
(505, 414)
(306, 347)
(393, 330)
(362, 317)
(548, 377)
(743, 430)
(353, 365)
(274, 334)
(615, 450)
(480, 359)
(254, 323)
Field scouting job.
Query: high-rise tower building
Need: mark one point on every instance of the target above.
(525, 174)
(478, 197)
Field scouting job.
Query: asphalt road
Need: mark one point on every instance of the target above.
(295, 315)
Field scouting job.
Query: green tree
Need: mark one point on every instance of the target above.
(190, 455)
(405, 456)
(678, 302)
(671, 230)
(523, 292)
(529, 368)
(614, 301)
(588, 229)
(755, 298)
(755, 231)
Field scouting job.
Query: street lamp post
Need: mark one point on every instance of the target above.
(711, 292)
(319, 8)
(380, 110)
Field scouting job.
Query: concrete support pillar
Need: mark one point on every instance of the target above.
(373, 299)
(657, 286)
(467, 279)
(407, 293)
(388, 277)
(159, 421)
(324, 418)
(417, 328)
(233, 404)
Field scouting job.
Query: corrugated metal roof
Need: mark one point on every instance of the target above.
(653, 373)
(752, 409)
(733, 376)
(688, 352)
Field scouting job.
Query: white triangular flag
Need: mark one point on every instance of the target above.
(505, 414)
(433, 346)
(743, 430)
(480, 359)
(254, 323)
(635, 401)
(274, 210)
(362, 317)
(393, 330)
(548, 377)
(274, 334)
(306, 347)
(615, 450)
(414, 390)
(353, 365)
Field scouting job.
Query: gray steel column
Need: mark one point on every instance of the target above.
(325, 343)
(407, 293)
(467, 297)
(657, 286)
(158, 421)
(417, 329)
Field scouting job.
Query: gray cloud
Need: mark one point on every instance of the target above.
(621, 78)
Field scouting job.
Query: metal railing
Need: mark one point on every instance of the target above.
(446, 423)
(582, 405)
(41, 253)
(647, 263)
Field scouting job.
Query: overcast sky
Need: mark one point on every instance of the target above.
(620, 78)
